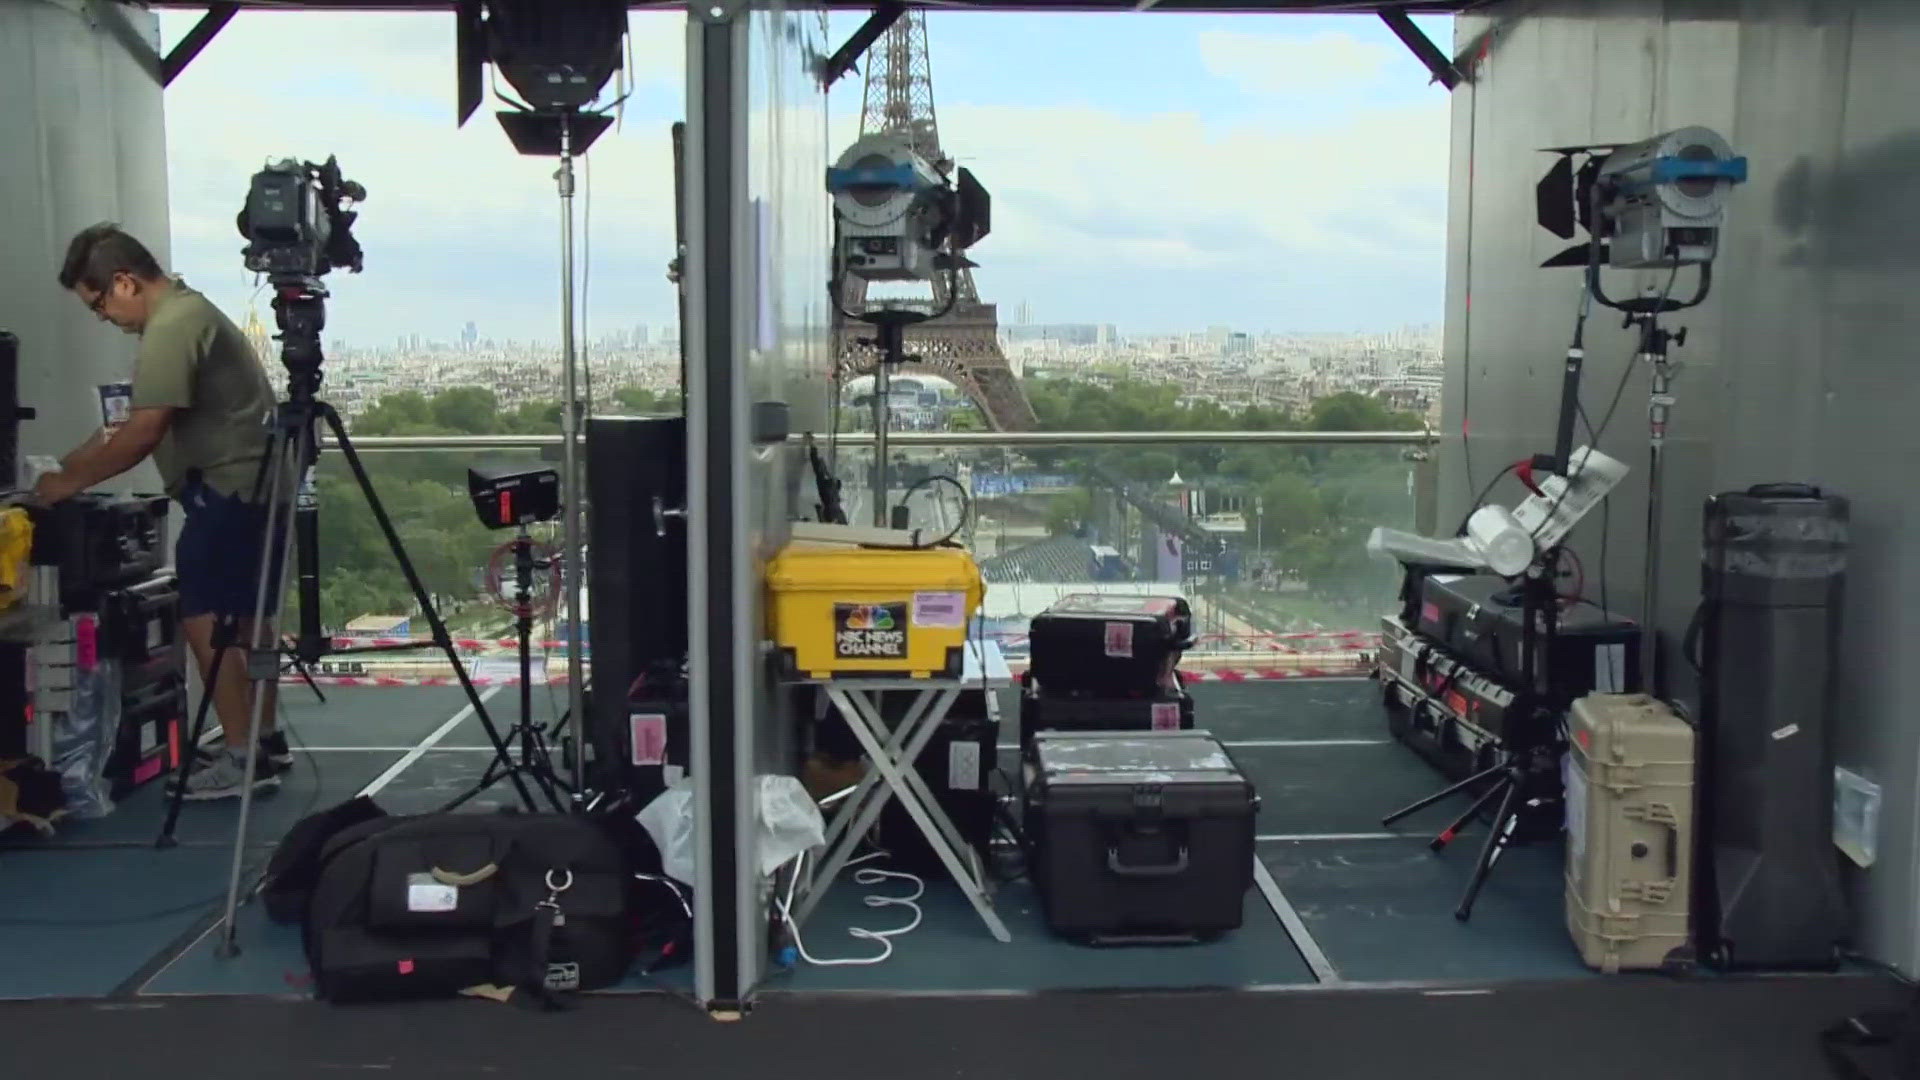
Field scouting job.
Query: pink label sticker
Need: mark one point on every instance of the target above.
(1166, 716)
(406, 967)
(649, 737)
(1120, 639)
(86, 642)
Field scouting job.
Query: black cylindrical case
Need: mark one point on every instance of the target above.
(1774, 561)
(9, 410)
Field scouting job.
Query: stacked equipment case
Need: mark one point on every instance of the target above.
(116, 657)
(1139, 829)
(1103, 662)
(1139, 837)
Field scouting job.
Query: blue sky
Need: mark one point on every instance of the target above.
(1154, 171)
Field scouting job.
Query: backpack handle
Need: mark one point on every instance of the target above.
(461, 881)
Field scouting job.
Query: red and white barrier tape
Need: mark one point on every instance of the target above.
(288, 679)
(1192, 675)
(1288, 642)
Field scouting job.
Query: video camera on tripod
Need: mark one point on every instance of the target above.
(298, 229)
(295, 221)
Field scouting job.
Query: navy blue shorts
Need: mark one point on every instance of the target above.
(217, 557)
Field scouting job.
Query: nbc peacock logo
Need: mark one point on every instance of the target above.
(869, 617)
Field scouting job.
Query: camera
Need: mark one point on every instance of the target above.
(508, 495)
(897, 216)
(296, 224)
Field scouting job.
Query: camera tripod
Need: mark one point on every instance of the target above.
(1527, 773)
(535, 760)
(280, 486)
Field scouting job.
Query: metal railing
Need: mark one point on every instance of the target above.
(957, 439)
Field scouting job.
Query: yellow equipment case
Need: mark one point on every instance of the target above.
(1629, 780)
(837, 610)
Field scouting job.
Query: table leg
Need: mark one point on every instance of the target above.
(924, 815)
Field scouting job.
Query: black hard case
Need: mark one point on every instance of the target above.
(1109, 643)
(1158, 710)
(1477, 618)
(1139, 837)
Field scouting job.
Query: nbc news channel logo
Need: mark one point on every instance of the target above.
(870, 631)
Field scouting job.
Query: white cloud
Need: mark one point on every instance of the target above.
(1175, 188)
(1322, 63)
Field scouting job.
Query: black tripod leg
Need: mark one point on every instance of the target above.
(440, 636)
(1448, 834)
(1485, 774)
(226, 635)
(226, 632)
(1496, 842)
(306, 674)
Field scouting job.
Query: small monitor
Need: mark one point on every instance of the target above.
(506, 496)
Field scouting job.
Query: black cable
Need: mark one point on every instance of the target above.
(1481, 498)
(966, 508)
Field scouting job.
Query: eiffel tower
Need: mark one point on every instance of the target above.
(962, 346)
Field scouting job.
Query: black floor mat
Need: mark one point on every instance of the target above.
(1598, 1030)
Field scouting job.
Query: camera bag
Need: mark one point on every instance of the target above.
(440, 904)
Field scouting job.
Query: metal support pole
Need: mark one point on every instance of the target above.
(1659, 401)
(882, 388)
(570, 487)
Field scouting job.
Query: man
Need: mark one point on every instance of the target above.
(201, 400)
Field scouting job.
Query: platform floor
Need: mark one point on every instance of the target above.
(97, 912)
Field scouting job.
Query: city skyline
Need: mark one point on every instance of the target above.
(1172, 169)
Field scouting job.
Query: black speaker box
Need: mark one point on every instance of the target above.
(636, 559)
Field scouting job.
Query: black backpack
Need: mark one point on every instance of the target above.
(434, 905)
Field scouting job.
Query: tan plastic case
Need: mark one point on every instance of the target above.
(1629, 773)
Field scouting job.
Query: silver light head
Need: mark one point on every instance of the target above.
(1665, 198)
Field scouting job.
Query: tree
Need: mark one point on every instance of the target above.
(1317, 503)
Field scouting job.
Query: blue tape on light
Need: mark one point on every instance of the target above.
(898, 176)
(1666, 170)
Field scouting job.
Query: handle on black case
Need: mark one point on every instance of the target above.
(1784, 491)
(1166, 869)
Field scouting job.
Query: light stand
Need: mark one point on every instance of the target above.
(291, 450)
(565, 133)
(570, 485)
(534, 761)
(890, 326)
(1653, 352)
(1645, 312)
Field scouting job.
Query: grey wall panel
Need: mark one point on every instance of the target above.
(85, 142)
(1864, 246)
(1801, 365)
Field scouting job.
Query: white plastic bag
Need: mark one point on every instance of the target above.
(669, 820)
(790, 823)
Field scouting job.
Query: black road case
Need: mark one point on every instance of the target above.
(1143, 837)
(1157, 710)
(1112, 644)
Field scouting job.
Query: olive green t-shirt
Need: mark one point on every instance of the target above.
(194, 359)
